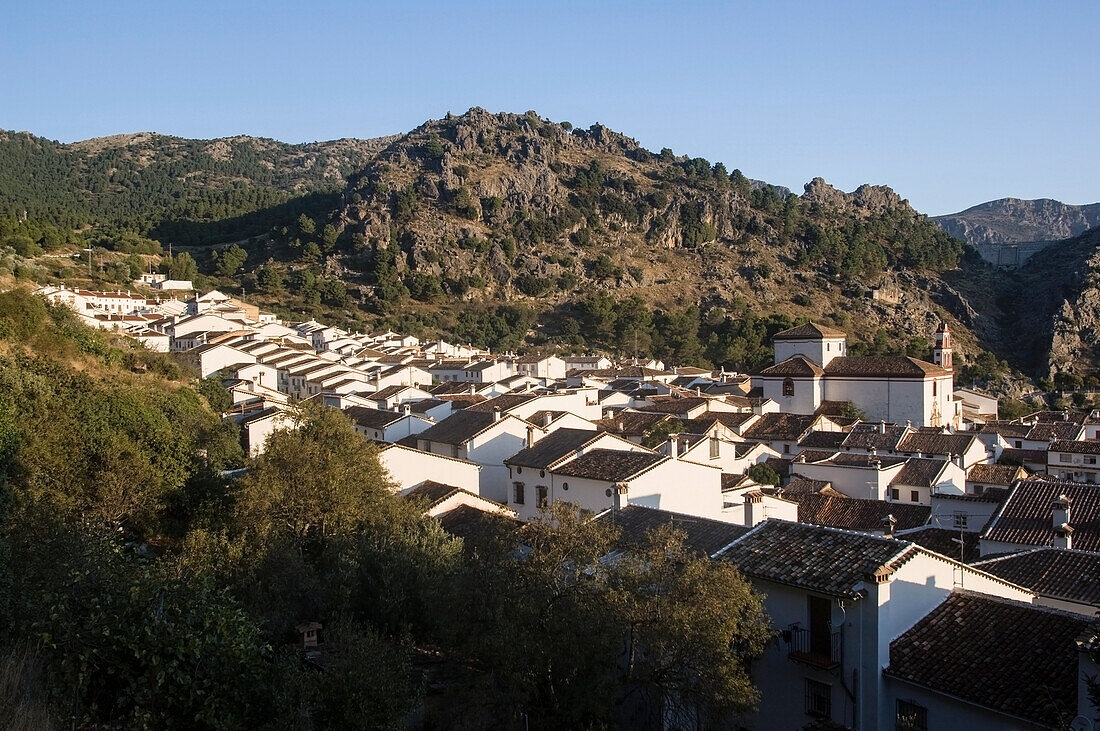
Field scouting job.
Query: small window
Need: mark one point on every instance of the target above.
(517, 493)
(540, 496)
(786, 449)
(1090, 460)
(894, 493)
(788, 387)
(565, 486)
(1018, 444)
(911, 717)
(819, 699)
(1063, 457)
(915, 496)
(960, 519)
(934, 384)
(715, 448)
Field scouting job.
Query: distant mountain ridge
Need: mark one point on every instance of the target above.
(1030, 225)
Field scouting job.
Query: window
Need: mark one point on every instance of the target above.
(911, 717)
(517, 493)
(565, 486)
(1090, 460)
(934, 389)
(960, 519)
(894, 493)
(788, 387)
(914, 496)
(1018, 444)
(715, 448)
(786, 449)
(819, 699)
(1063, 457)
(540, 496)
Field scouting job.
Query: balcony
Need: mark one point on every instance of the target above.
(820, 649)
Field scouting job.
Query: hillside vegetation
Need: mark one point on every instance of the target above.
(512, 232)
(142, 587)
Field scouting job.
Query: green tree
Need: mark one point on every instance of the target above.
(763, 474)
(182, 266)
(270, 279)
(229, 260)
(312, 482)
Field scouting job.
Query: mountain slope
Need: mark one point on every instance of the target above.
(141, 180)
(1009, 231)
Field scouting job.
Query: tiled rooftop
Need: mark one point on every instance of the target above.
(1011, 657)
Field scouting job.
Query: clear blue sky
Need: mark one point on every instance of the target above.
(950, 103)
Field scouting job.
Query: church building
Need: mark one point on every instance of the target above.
(812, 366)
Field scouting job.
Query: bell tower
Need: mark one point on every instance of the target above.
(941, 354)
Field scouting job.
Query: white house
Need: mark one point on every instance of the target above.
(837, 600)
(812, 367)
(487, 438)
(409, 467)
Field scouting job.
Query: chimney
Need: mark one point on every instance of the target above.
(882, 427)
(496, 413)
(618, 492)
(889, 523)
(674, 445)
(530, 436)
(1060, 517)
(698, 391)
(547, 418)
(407, 408)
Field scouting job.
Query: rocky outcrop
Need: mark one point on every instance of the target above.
(1013, 221)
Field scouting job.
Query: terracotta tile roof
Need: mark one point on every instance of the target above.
(610, 465)
(809, 331)
(369, 418)
(799, 486)
(796, 365)
(927, 442)
(458, 428)
(504, 402)
(1026, 517)
(1057, 430)
(424, 405)
(1075, 447)
(847, 459)
(994, 474)
(883, 366)
(880, 436)
(1024, 456)
(857, 514)
(779, 426)
(920, 472)
(730, 419)
(814, 558)
(944, 541)
(702, 534)
(675, 405)
(552, 448)
(1014, 658)
(473, 525)
(1006, 429)
(1052, 572)
(830, 440)
(632, 423)
(431, 491)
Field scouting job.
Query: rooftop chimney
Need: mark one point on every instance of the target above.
(547, 418)
(882, 427)
(407, 408)
(496, 413)
(1060, 517)
(618, 492)
(889, 524)
(530, 436)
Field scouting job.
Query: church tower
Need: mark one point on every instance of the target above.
(941, 354)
